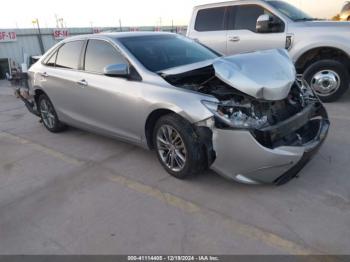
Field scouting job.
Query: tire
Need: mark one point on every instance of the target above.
(48, 115)
(193, 150)
(328, 69)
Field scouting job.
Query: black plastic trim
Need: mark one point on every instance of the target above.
(311, 149)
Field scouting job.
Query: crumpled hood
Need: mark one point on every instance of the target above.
(266, 75)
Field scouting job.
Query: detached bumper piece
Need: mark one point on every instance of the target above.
(23, 95)
(22, 92)
(271, 155)
(310, 150)
(295, 131)
(308, 129)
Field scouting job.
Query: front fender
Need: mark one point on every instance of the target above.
(193, 114)
(181, 101)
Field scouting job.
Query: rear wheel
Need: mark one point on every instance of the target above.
(328, 78)
(48, 115)
(177, 146)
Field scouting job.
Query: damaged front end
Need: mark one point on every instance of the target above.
(267, 124)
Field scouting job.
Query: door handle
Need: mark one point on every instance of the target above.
(44, 74)
(82, 83)
(234, 38)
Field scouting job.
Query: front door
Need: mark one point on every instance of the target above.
(108, 103)
(242, 36)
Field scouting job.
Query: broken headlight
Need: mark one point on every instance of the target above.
(236, 115)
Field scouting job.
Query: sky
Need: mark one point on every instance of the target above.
(21, 13)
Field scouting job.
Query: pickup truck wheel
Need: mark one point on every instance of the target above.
(177, 146)
(48, 115)
(328, 78)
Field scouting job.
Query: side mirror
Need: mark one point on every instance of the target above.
(120, 70)
(263, 24)
(268, 24)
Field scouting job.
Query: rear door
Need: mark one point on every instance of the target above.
(242, 36)
(209, 28)
(59, 79)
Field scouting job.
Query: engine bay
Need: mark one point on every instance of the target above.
(240, 107)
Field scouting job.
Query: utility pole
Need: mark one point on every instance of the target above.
(41, 44)
(120, 25)
(56, 18)
(60, 20)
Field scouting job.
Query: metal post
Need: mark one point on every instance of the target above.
(9, 66)
(120, 25)
(41, 44)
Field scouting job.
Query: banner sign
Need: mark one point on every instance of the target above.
(60, 33)
(8, 36)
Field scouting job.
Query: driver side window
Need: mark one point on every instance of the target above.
(244, 17)
(100, 54)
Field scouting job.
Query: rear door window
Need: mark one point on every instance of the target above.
(100, 54)
(212, 19)
(69, 55)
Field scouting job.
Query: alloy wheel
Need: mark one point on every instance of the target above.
(47, 113)
(171, 148)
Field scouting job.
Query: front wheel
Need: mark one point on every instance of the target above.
(177, 146)
(328, 78)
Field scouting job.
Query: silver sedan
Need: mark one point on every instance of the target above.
(245, 116)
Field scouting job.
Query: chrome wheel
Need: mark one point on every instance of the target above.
(325, 82)
(47, 113)
(171, 148)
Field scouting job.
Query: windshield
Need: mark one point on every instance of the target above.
(291, 11)
(160, 52)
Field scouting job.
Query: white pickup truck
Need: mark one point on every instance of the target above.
(319, 49)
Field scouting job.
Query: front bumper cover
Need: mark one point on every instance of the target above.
(244, 157)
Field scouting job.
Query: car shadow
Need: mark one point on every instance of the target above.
(206, 179)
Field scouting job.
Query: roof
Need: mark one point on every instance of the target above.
(116, 35)
(224, 3)
(134, 34)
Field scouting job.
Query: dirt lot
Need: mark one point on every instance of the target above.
(80, 193)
